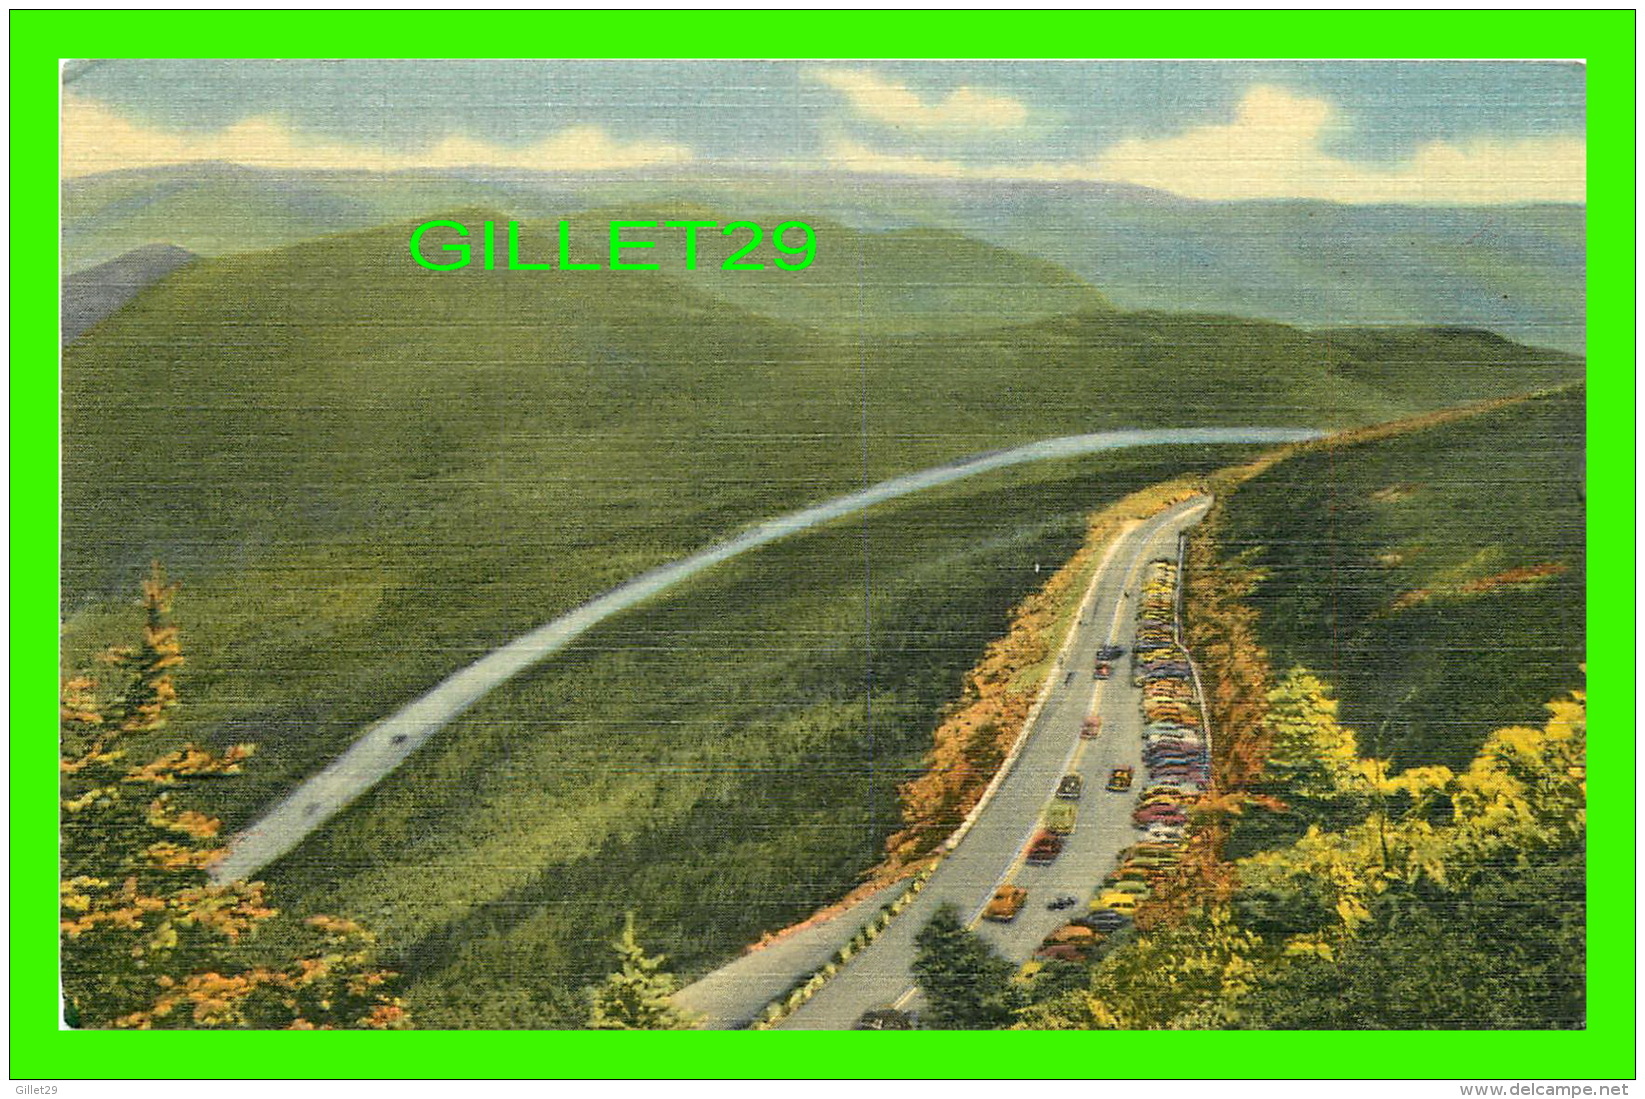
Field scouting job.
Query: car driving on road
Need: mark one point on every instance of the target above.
(1006, 903)
(1045, 849)
(1060, 818)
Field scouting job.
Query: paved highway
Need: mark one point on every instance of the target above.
(732, 996)
(991, 853)
(384, 746)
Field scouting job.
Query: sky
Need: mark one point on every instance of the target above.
(1356, 132)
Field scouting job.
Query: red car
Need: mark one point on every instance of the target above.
(1159, 814)
(1045, 849)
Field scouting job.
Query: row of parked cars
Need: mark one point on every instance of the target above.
(1177, 760)
(1174, 750)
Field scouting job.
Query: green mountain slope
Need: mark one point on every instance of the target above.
(1517, 270)
(1444, 366)
(723, 761)
(370, 472)
(1435, 578)
(366, 474)
(876, 282)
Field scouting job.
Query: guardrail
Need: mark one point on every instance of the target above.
(808, 986)
(1187, 654)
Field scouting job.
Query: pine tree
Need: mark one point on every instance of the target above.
(966, 985)
(638, 995)
(151, 693)
(148, 940)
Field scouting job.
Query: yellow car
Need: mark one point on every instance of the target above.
(1119, 902)
(1007, 901)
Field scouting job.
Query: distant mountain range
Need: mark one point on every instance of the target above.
(1515, 270)
(96, 292)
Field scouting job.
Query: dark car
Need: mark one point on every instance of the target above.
(1105, 920)
(1060, 952)
(1070, 786)
(886, 1018)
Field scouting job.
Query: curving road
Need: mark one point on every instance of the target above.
(991, 853)
(383, 746)
(733, 996)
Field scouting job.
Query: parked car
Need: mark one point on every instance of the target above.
(1120, 779)
(1103, 919)
(1006, 903)
(1070, 787)
(1123, 903)
(1159, 814)
(1068, 943)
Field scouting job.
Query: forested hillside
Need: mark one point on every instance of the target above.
(1396, 834)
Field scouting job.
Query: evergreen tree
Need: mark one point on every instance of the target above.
(638, 995)
(148, 940)
(966, 985)
(151, 693)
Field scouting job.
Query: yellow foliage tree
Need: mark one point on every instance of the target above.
(148, 940)
(1187, 975)
(1309, 750)
(1525, 791)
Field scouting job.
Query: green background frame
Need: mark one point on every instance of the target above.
(1605, 39)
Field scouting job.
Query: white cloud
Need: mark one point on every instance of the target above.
(894, 104)
(853, 156)
(97, 139)
(1273, 149)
